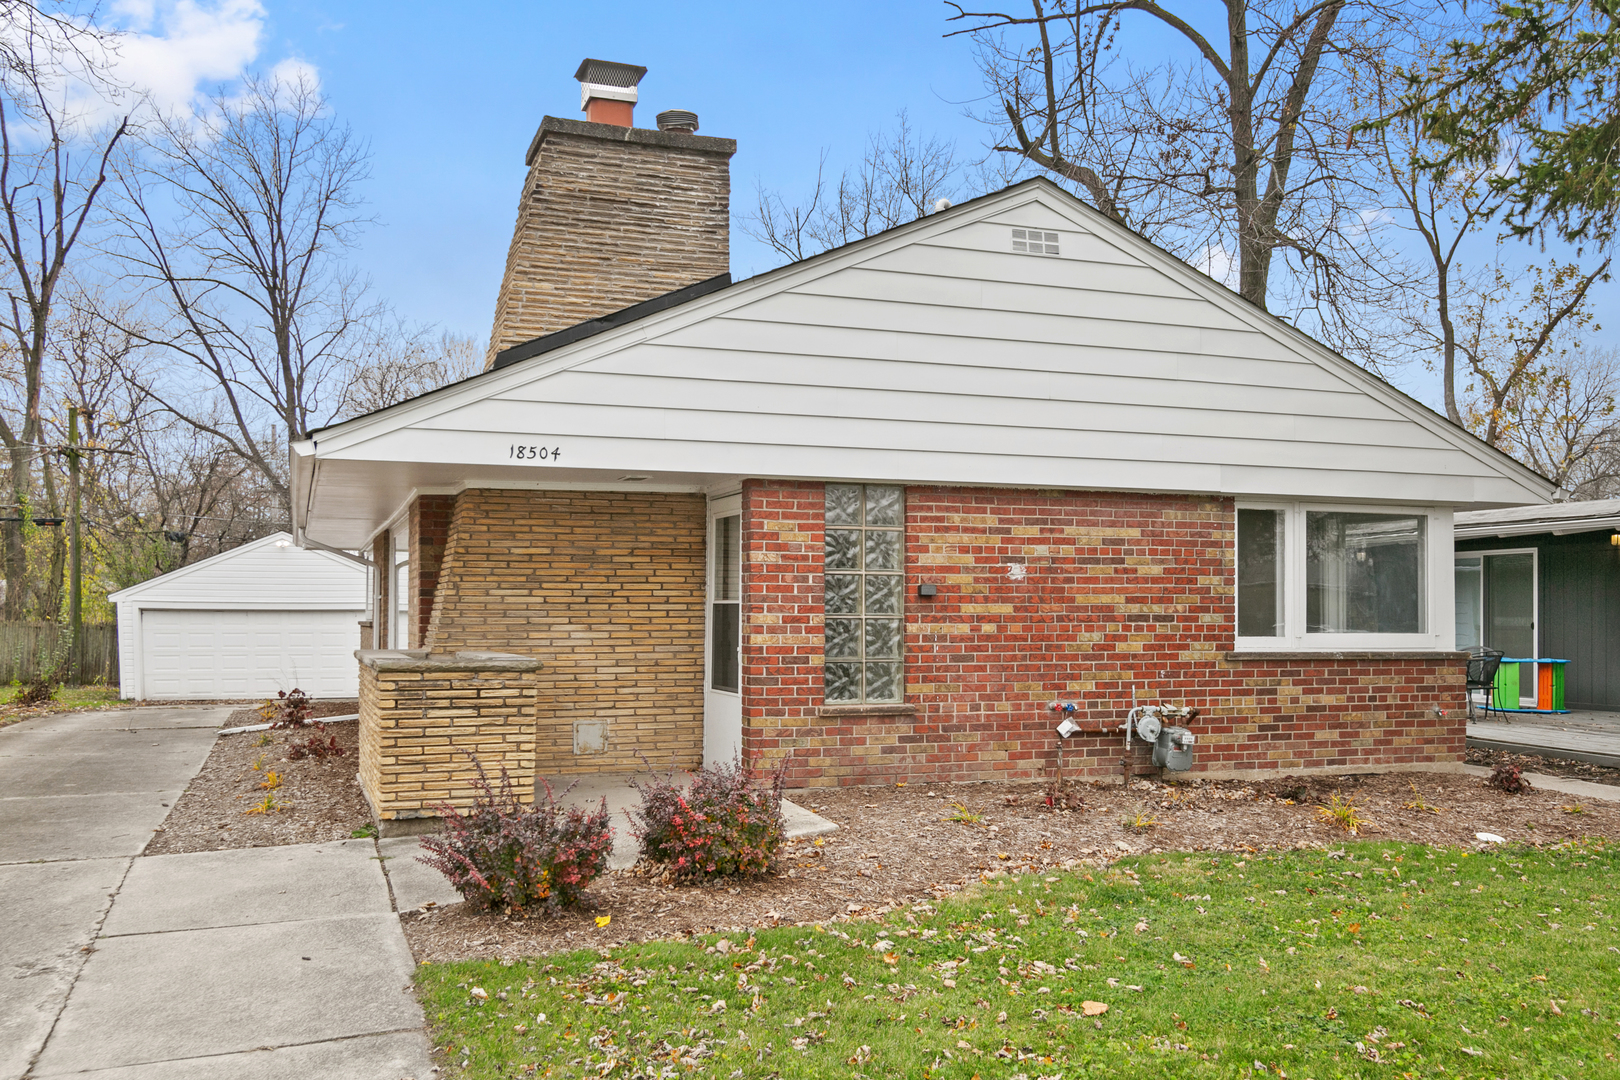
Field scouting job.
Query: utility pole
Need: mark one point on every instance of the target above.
(75, 614)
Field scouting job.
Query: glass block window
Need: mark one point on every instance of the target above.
(865, 587)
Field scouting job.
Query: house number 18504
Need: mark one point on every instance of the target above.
(534, 453)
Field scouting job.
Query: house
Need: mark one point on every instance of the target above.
(1544, 581)
(260, 618)
(875, 511)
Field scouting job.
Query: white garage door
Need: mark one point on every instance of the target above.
(248, 654)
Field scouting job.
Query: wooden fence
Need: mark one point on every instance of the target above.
(25, 647)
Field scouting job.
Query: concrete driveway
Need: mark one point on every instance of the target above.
(265, 962)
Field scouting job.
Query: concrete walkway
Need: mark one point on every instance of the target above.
(257, 963)
(1580, 736)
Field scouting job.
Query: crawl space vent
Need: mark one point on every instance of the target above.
(1035, 242)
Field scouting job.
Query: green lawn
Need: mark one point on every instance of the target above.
(1384, 960)
(67, 699)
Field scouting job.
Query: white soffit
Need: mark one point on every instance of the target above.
(932, 353)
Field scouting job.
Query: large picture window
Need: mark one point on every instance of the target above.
(865, 587)
(1322, 577)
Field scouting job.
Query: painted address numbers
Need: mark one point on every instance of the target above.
(534, 453)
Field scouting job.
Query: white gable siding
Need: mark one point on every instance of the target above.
(945, 357)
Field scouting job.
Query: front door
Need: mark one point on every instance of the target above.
(1496, 607)
(722, 699)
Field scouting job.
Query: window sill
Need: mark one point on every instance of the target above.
(1345, 654)
(896, 709)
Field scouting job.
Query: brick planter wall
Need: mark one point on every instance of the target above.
(607, 588)
(422, 715)
(1120, 592)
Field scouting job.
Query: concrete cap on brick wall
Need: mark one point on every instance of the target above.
(425, 661)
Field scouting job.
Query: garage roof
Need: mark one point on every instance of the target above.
(266, 573)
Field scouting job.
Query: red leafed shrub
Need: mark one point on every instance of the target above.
(1508, 777)
(314, 747)
(291, 710)
(503, 855)
(721, 826)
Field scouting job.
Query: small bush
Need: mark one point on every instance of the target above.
(1342, 814)
(1142, 822)
(721, 826)
(503, 855)
(315, 747)
(1509, 778)
(36, 691)
(292, 710)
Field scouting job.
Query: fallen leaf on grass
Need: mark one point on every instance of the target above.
(1093, 1008)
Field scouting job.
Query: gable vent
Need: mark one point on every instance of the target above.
(1035, 242)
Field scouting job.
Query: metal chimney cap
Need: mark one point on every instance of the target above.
(677, 120)
(609, 73)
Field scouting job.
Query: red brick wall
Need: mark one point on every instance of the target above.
(429, 532)
(1119, 592)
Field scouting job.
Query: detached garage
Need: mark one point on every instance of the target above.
(263, 617)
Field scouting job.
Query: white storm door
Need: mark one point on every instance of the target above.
(722, 667)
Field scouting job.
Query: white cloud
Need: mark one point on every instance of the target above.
(174, 50)
(295, 72)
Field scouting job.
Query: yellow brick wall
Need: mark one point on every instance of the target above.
(610, 217)
(420, 730)
(606, 589)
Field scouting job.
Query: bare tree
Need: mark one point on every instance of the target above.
(158, 493)
(401, 363)
(1514, 341)
(1444, 209)
(1565, 427)
(1240, 155)
(901, 178)
(232, 225)
(51, 177)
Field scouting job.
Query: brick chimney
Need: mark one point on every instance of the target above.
(611, 214)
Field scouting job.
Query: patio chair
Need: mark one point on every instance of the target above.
(1482, 666)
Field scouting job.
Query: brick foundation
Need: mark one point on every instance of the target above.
(1120, 592)
(607, 588)
(424, 717)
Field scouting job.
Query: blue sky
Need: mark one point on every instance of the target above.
(448, 96)
(450, 102)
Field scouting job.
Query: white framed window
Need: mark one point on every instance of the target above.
(1335, 577)
(725, 603)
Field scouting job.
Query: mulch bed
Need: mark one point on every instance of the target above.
(1574, 770)
(894, 847)
(316, 800)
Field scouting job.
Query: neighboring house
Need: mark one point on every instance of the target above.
(259, 618)
(875, 510)
(1544, 581)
